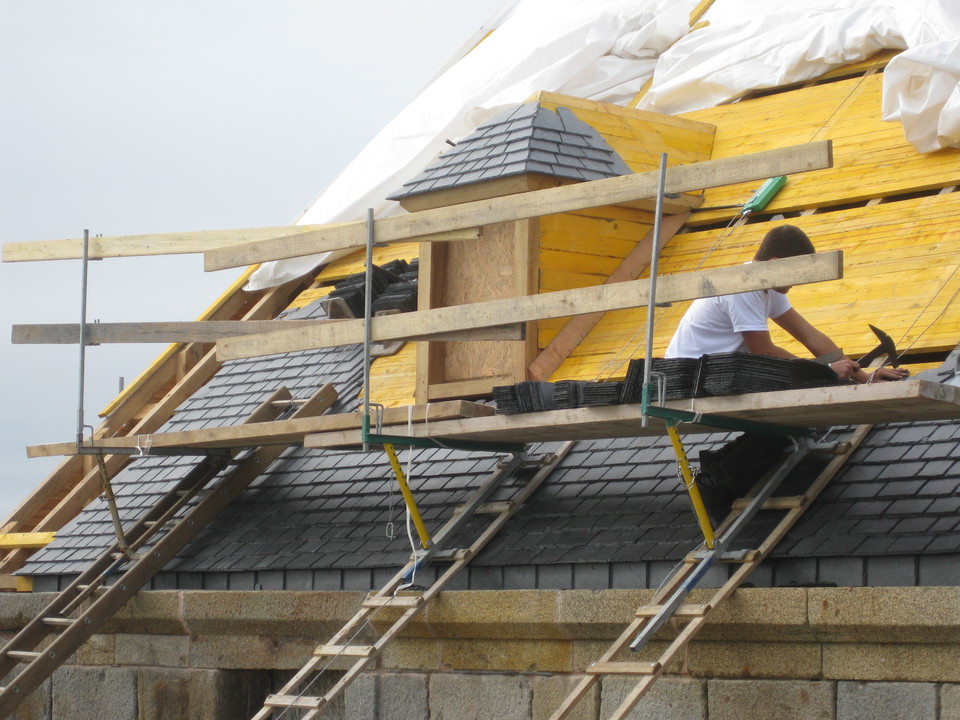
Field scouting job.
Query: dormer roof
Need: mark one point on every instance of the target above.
(529, 139)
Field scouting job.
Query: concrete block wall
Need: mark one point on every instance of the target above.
(834, 653)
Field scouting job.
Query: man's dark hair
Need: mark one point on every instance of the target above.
(784, 241)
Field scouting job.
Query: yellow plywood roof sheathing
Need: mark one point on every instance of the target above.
(639, 136)
(871, 158)
(906, 287)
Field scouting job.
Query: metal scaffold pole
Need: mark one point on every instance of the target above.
(83, 333)
(652, 300)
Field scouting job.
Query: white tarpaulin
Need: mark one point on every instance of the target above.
(607, 49)
(921, 89)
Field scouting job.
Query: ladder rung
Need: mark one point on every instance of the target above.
(496, 508)
(58, 622)
(623, 668)
(685, 610)
(195, 493)
(345, 650)
(452, 555)
(490, 508)
(733, 556)
(120, 555)
(408, 601)
(294, 701)
(98, 588)
(790, 502)
(23, 654)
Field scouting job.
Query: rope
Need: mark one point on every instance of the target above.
(927, 307)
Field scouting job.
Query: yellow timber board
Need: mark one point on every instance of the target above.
(871, 157)
(639, 136)
(901, 273)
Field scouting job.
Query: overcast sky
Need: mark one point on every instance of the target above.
(140, 117)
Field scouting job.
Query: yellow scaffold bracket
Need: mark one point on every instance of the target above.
(688, 480)
(407, 495)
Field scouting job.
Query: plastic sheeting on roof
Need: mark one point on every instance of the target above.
(606, 50)
(922, 90)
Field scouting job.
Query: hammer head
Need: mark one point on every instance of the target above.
(886, 347)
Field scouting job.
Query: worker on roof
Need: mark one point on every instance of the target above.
(738, 323)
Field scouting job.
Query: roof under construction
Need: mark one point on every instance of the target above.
(532, 245)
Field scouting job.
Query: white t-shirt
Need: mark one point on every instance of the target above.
(715, 324)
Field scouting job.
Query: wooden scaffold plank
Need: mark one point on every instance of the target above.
(562, 303)
(596, 193)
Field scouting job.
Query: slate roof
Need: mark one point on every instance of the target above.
(613, 514)
(523, 140)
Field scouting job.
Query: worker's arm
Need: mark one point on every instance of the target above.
(818, 343)
(806, 334)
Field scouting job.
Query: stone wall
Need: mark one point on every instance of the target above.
(834, 653)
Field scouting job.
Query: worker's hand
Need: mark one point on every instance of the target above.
(845, 368)
(888, 374)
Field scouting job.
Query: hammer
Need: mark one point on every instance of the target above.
(886, 346)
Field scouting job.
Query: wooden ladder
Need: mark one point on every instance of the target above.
(668, 601)
(102, 589)
(296, 694)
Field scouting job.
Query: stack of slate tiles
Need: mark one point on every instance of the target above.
(678, 375)
(567, 394)
(394, 288)
(735, 373)
(717, 374)
(535, 396)
(524, 397)
(593, 394)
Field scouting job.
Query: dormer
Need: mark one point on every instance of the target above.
(549, 141)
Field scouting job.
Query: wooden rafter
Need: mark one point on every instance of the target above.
(577, 328)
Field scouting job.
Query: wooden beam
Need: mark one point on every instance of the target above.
(15, 583)
(563, 303)
(903, 401)
(276, 432)
(609, 191)
(32, 540)
(577, 328)
(208, 331)
(181, 243)
(203, 331)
